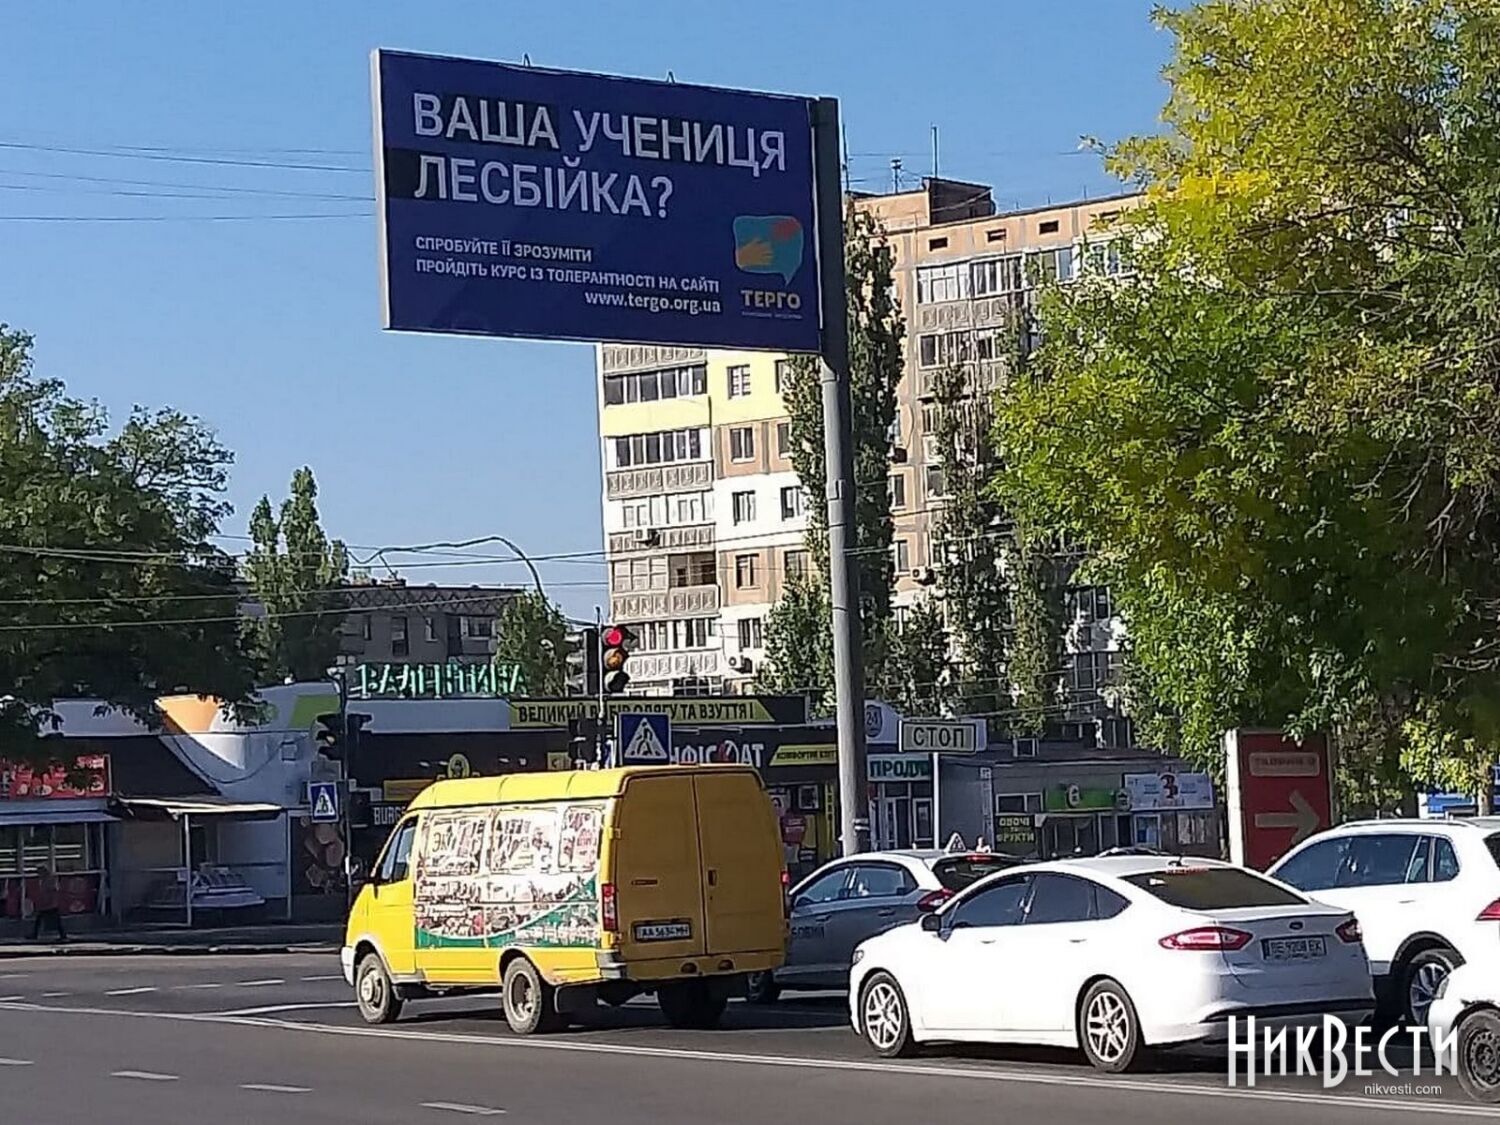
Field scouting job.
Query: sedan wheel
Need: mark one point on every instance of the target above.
(1427, 970)
(1479, 1056)
(883, 1017)
(1109, 1031)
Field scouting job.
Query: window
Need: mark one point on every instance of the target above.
(429, 629)
(1108, 258)
(783, 375)
(1444, 861)
(794, 564)
(751, 633)
(1316, 867)
(1018, 802)
(1212, 888)
(70, 847)
(692, 570)
(739, 380)
(476, 628)
(1493, 843)
(673, 636)
(394, 864)
(783, 439)
(937, 243)
(745, 571)
(901, 554)
(1106, 903)
(936, 483)
(879, 880)
(1046, 266)
(663, 448)
(995, 235)
(743, 505)
(998, 275)
(1059, 898)
(942, 283)
(742, 444)
(1048, 226)
(898, 491)
(366, 629)
(963, 871)
(793, 502)
(648, 386)
(1377, 860)
(825, 888)
(997, 905)
(399, 644)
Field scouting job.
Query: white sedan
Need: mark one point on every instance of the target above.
(1113, 955)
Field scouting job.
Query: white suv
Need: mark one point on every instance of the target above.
(1426, 893)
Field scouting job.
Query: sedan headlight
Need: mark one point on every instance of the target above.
(859, 955)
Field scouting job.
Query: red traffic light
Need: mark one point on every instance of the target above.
(614, 637)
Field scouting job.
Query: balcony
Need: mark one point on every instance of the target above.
(698, 537)
(618, 358)
(646, 666)
(691, 476)
(683, 601)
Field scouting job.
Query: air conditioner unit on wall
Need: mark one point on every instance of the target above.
(923, 575)
(741, 664)
(646, 536)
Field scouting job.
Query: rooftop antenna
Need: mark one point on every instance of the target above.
(672, 78)
(934, 152)
(896, 174)
(525, 60)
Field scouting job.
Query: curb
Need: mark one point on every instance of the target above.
(84, 950)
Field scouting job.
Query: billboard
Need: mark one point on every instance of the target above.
(519, 201)
(1280, 792)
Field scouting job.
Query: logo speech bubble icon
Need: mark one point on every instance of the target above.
(768, 244)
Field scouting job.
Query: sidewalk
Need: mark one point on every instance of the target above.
(288, 938)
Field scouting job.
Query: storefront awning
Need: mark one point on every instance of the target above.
(10, 818)
(175, 808)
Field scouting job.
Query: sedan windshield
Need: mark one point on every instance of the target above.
(1212, 888)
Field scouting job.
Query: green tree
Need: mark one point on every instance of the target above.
(298, 576)
(876, 335)
(1034, 659)
(110, 586)
(1280, 440)
(799, 645)
(532, 634)
(919, 678)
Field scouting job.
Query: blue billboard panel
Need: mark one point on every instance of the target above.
(516, 201)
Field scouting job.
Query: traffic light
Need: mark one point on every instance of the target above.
(588, 643)
(618, 641)
(330, 733)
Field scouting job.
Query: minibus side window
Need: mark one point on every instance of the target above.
(394, 863)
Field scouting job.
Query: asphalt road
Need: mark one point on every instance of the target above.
(165, 1040)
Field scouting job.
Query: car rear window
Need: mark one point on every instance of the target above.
(958, 872)
(1493, 843)
(1212, 888)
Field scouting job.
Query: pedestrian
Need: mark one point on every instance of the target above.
(48, 908)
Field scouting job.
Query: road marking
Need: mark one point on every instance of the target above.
(257, 983)
(13, 976)
(15, 1062)
(54, 995)
(144, 1075)
(269, 1009)
(272, 1088)
(330, 976)
(9, 999)
(211, 984)
(129, 991)
(874, 1067)
(459, 1107)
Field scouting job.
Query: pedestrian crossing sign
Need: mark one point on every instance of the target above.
(646, 739)
(323, 796)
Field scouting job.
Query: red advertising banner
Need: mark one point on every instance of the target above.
(1280, 793)
(22, 782)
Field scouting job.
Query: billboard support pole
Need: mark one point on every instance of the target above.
(838, 439)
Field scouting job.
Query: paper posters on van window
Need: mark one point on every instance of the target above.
(517, 874)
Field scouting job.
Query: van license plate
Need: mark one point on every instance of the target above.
(662, 931)
(1294, 948)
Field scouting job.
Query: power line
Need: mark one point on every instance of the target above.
(180, 218)
(217, 161)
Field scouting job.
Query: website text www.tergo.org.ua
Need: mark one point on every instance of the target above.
(692, 306)
(1334, 1052)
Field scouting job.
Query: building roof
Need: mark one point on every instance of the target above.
(569, 785)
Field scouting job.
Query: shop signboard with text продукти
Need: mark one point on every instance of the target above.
(521, 201)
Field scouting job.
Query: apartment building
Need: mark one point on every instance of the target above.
(703, 513)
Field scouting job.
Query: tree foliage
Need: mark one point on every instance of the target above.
(1280, 440)
(532, 634)
(876, 335)
(919, 678)
(799, 645)
(110, 587)
(297, 575)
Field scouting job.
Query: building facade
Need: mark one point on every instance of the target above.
(703, 514)
(390, 621)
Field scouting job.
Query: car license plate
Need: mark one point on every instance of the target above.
(662, 931)
(1294, 948)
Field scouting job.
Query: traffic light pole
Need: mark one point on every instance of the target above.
(346, 767)
(838, 439)
(599, 712)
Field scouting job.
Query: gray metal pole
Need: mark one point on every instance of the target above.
(848, 667)
(937, 801)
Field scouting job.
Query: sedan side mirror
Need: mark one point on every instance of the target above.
(932, 923)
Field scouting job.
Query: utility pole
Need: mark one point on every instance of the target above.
(346, 769)
(599, 712)
(838, 447)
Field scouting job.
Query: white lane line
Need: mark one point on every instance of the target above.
(459, 1107)
(13, 976)
(129, 991)
(211, 984)
(330, 976)
(272, 1088)
(258, 983)
(15, 1062)
(270, 1008)
(143, 1075)
(1353, 1102)
(10, 999)
(54, 995)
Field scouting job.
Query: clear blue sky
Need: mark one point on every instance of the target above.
(269, 328)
